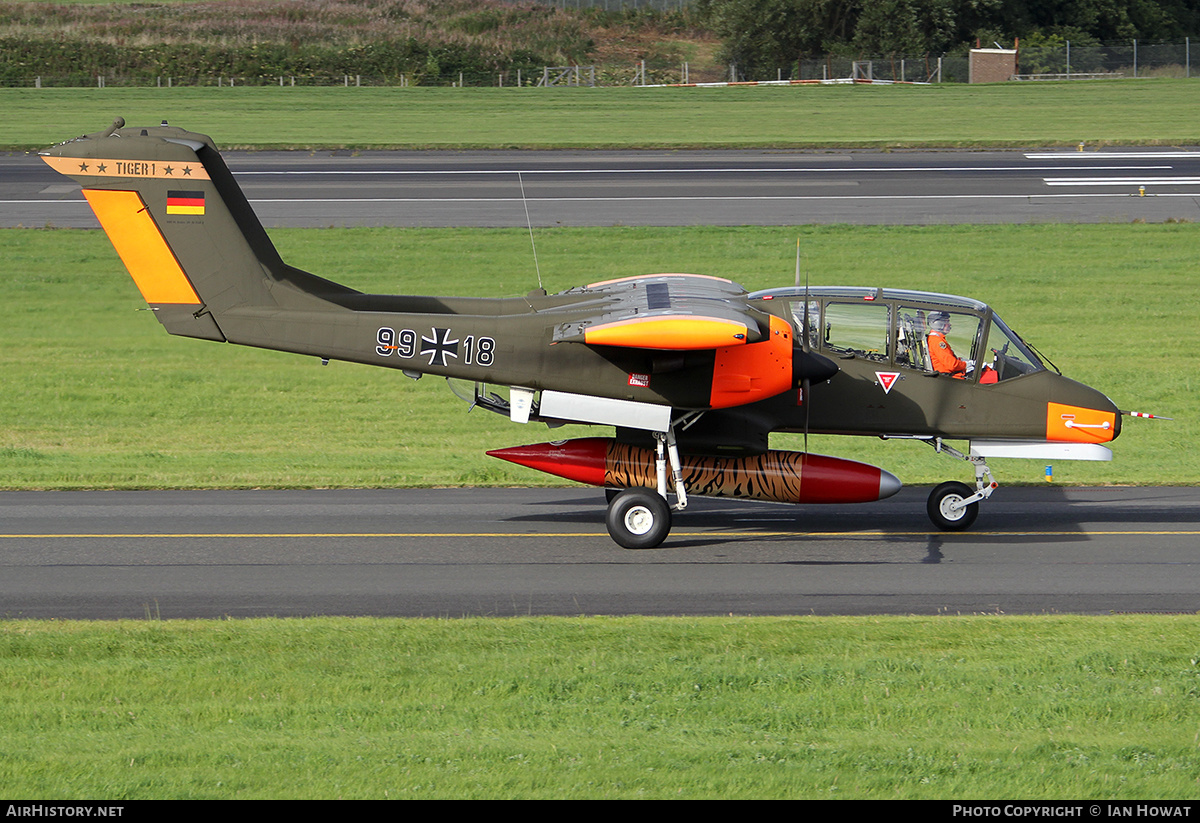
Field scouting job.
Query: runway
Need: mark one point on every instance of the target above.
(676, 188)
(509, 552)
(513, 552)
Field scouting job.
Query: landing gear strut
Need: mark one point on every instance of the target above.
(640, 518)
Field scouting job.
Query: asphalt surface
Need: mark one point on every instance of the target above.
(511, 552)
(500, 552)
(678, 188)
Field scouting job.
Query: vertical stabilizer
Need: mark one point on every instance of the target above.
(183, 228)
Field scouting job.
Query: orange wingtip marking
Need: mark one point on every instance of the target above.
(677, 333)
(141, 246)
(1075, 424)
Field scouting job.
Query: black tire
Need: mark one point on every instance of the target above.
(939, 507)
(638, 518)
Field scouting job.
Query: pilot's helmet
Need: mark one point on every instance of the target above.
(939, 321)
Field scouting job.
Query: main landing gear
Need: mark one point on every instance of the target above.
(640, 518)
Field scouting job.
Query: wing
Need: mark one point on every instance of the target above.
(672, 312)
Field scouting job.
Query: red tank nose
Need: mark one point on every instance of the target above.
(579, 460)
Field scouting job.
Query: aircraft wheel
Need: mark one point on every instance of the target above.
(942, 511)
(638, 518)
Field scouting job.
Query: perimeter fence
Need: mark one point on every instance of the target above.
(1125, 59)
(1128, 58)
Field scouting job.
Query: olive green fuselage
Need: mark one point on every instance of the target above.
(844, 361)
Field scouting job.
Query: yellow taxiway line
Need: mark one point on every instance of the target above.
(873, 533)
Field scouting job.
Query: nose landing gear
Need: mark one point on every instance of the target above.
(952, 506)
(948, 509)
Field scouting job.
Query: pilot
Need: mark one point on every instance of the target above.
(944, 360)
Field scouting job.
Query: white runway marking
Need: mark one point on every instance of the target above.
(1121, 181)
(1114, 155)
(779, 198)
(751, 170)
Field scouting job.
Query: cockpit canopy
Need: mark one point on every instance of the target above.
(923, 331)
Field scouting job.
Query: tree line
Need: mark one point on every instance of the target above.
(763, 34)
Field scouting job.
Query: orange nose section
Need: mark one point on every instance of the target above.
(1075, 424)
(745, 374)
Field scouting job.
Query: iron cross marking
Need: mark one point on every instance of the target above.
(438, 347)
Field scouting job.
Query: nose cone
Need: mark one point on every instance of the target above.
(825, 479)
(582, 460)
(808, 365)
(1079, 414)
(889, 484)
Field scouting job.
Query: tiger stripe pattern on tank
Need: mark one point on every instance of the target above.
(773, 475)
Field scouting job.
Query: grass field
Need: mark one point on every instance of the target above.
(892, 708)
(103, 398)
(1159, 112)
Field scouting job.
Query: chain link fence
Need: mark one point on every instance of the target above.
(1129, 58)
(1126, 59)
(927, 68)
(1067, 61)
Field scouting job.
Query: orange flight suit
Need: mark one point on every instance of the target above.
(943, 357)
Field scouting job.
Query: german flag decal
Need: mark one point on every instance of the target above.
(185, 202)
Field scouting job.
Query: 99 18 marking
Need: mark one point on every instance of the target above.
(437, 345)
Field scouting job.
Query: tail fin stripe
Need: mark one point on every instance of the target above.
(141, 246)
(184, 171)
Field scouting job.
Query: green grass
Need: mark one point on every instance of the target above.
(98, 396)
(1158, 112)
(881, 708)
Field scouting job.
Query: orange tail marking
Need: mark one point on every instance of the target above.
(141, 246)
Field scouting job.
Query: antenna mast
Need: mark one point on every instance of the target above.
(529, 223)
